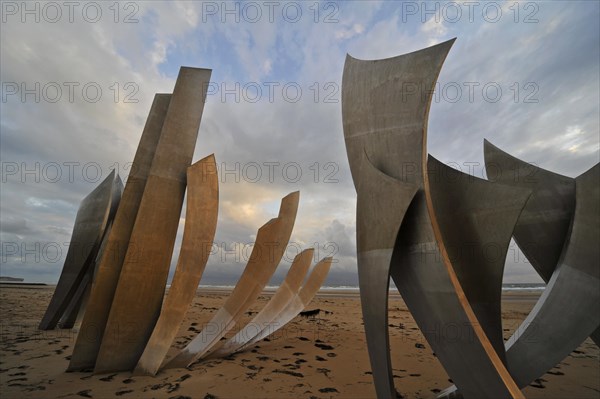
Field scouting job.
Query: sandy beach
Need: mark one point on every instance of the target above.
(320, 357)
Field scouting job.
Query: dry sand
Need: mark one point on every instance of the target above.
(321, 357)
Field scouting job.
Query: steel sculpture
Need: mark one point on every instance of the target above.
(385, 104)
(384, 115)
(271, 241)
(73, 316)
(121, 279)
(200, 226)
(95, 213)
(105, 282)
(551, 216)
(146, 265)
(440, 234)
(286, 291)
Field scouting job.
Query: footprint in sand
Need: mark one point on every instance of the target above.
(324, 371)
(538, 383)
(108, 378)
(292, 373)
(185, 377)
(328, 390)
(85, 394)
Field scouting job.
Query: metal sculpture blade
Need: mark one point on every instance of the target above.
(297, 304)
(271, 240)
(378, 219)
(569, 309)
(105, 283)
(385, 104)
(200, 226)
(93, 216)
(74, 313)
(140, 290)
(432, 286)
(77, 306)
(544, 224)
(476, 219)
(279, 301)
(76, 309)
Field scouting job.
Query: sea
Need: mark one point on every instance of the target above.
(350, 288)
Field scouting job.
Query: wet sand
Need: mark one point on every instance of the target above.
(317, 357)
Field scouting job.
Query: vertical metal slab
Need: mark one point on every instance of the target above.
(381, 205)
(385, 105)
(105, 282)
(139, 294)
(429, 293)
(476, 220)
(74, 313)
(198, 235)
(90, 224)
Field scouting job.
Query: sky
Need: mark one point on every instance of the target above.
(78, 80)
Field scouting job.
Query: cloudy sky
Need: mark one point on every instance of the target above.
(78, 80)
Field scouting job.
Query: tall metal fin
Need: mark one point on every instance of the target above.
(385, 104)
(105, 282)
(91, 221)
(74, 313)
(385, 107)
(198, 235)
(140, 290)
(544, 224)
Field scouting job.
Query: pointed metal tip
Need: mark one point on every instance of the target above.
(293, 194)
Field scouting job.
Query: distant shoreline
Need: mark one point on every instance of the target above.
(17, 284)
(508, 293)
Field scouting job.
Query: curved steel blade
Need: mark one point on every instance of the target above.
(278, 302)
(198, 235)
(271, 241)
(297, 304)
